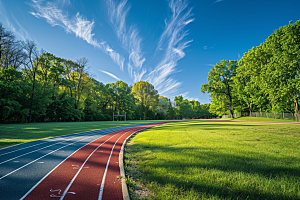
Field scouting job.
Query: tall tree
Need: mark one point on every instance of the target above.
(146, 95)
(31, 67)
(281, 74)
(220, 81)
(249, 83)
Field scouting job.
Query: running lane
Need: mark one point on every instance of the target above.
(90, 173)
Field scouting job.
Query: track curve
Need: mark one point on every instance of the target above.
(84, 166)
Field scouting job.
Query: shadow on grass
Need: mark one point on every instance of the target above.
(265, 166)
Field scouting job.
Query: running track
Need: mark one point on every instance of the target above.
(79, 166)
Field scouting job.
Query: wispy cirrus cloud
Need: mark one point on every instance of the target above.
(17, 29)
(65, 2)
(110, 74)
(78, 25)
(210, 65)
(173, 43)
(186, 96)
(217, 1)
(129, 37)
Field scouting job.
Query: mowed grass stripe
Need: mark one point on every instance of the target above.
(11, 134)
(218, 160)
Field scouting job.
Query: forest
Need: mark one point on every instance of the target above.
(265, 79)
(37, 86)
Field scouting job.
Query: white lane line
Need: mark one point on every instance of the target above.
(42, 157)
(21, 149)
(68, 187)
(105, 172)
(51, 140)
(45, 141)
(29, 153)
(55, 168)
(36, 150)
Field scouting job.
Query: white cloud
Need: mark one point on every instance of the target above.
(205, 47)
(110, 74)
(173, 43)
(18, 30)
(186, 96)
(129, 37)
(78, 25)
(64, 2)
(218, 1)
(171, 46)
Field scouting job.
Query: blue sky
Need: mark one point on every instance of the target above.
(170, 43)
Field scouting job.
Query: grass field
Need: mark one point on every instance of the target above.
(263, 119)
(11, 134)
(258, 119)
(216, 160)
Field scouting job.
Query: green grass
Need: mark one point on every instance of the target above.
(11, 134)
(217, 160)
(262, 119)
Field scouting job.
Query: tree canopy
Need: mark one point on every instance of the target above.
(266, 79)
(37, 86)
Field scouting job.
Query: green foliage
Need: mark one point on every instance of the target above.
(37, 86)
(266, 79)
(220, 83)
(189, 109)
(147, 97)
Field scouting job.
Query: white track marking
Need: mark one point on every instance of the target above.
(68, 187)
(22, 148)
(52, 139)
(30, 152)
(105, 172)
(41, 157)
(37, 150)
(49, 139)
(54, 169)
(53, 195)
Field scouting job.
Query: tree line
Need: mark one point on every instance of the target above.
(265, 79)
(37, 86)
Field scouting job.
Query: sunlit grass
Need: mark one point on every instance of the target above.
(218, 160)
(263, 119)
(258, 119)
(11, 134)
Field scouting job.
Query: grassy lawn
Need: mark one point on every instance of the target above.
(216, 160)
(263, 119)
(258, 119)
(11, 134)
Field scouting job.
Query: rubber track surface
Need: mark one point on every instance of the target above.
(81, 175)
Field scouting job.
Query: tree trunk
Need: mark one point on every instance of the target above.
(250, 110)
(230, 109)
(32, 95)
(296, 106)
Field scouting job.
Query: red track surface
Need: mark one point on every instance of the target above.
(83, 174)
